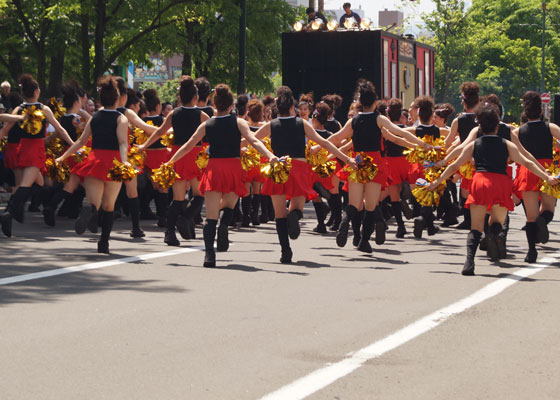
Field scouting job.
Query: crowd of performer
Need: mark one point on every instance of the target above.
(248, 162)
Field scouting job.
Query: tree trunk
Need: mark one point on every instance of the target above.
(187, 64)
(312, 3)
(42, 67)
(15, 64)
(321, 5)
(99, 58)
(86, 62)
(56, 73)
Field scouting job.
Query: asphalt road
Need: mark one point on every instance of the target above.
(166, 328)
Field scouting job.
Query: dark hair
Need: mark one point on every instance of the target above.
(493, 99)
(487, 117)
(304, 104)
(309, 10)
(284, 100)
(223, 97)
(14, 99)
(121, 85)
(241, 105)
(394, 110)
(79, 91)
(444, 111)
(382, 108)
(28, 85)
(322, 112)
(268, 100)
(255, 110)
(108, 91)
(166, 104)
(307, 98)
(143, 110)
(469, 93)
(523, 118)
(368, 96)
(151, 98)
(425, 107)
(532, 105)
(132, 98)
(187, 90)
(333, 100)
(346, 5)
(203, 87)
(69, 95)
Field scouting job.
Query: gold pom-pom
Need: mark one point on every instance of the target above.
(544, 187)
(321, 157)
(55, 148)
(467, 170)
(250, 159)
(121, 172)
(325, 170)
(425, 197)
(138, 136)
(167, 140)
(268, 144)
(202, 158)
(366, 172)
(33, 118)
(56, 107)
(81, 154)
(413, 155)
(165, 175)
(3, 143)
(59, 172)
(136, 157)
(279, 172)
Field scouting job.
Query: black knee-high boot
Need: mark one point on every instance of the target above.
(223, 240)
(484, 241)
(19, 198)
(293, 223)
(246, 210)
(495, 242)
(284, 239)
(270, 209)
(542, 228)
(473, 239)
(380, 225)
(161, 208)
(368, 226)
(106, 227)
(172, 213)
(466, 224)
(531, 231)
(134, 210)
(209, 233)
(452, 188)
(342, 235)
(145, 195)
(189, 217)
(356, 222)
(320, 213)
(264, 209)
(255, 203)
(49, 211)
(397, 212)
(36, 197)
(335, 203)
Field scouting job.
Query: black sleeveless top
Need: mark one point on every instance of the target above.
(504, 131)
(535, 136)
(392, 149)
(42, 133)
(185, 121)
(254, 128)
(67, 122)
(332, 125)
(367, 134)
(287, 137)
(14, 134)
(157, 120)
(224, 137)
(104, 130)
(325, 133)
(208, 110)
(490, 154)
(122, 110)
(465, 124)
(427, 130)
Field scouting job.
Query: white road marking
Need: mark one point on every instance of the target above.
(96, 265)
(327, 375)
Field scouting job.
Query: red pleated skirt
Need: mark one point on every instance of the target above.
(525, 180)
(223, 175)
(31, 153)
(254, 175)
(10, 155)
(97, 164)
(299, 183)
(156, 157)
(326, 182)
(186, 167)
(398, 170)
(382, 175)
(488, 189)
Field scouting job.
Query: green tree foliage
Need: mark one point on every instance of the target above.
(497, 44)
(166, 92)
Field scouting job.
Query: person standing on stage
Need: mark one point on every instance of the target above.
(348, 13)
(313, 15)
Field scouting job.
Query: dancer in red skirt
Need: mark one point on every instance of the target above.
(30, 153)
(108, 129)
(287, 137)
(222, 180)
(74, 121)
(491, 187)
(367, 133)
(537, 137)
(156, 155)
(184, 120)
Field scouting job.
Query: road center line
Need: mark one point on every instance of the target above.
(95, 265)
(330, 373)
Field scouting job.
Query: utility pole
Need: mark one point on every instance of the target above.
(312, 3)
(321, 6)
(241, 86)
(543, 44)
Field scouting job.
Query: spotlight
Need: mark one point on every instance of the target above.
(298, 26)
(365, 24)
(332, 25)
(317, 24)
(350, 23)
